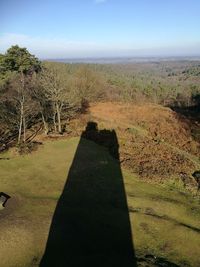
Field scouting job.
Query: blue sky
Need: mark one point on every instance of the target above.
(101, 28)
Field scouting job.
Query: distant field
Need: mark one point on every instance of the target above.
(164, 223)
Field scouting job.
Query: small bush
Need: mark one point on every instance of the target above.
(26, 148)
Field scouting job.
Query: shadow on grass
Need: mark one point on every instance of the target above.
(90, 225)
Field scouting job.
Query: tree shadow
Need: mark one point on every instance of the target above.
(90, 225)
(190, 115)
(191, 112)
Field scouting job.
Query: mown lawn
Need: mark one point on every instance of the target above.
(164, 223)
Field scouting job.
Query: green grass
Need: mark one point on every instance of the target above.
(164, 222)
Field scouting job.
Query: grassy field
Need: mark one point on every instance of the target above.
(165, 224)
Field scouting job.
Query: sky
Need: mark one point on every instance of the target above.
(101, 28)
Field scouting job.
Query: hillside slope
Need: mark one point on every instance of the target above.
(155, 142)
(164, 223)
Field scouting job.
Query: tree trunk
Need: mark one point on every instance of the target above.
(59, 120)
(22, 115)
(20, 122)
(24, 126)
(46, 129)
(54, 122)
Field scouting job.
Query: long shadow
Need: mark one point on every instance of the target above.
(91, 226)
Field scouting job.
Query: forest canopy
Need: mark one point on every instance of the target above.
(51, 93)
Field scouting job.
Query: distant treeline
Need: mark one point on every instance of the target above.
(48, 92)
(166, 83)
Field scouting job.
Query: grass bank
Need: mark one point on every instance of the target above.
(165, 224)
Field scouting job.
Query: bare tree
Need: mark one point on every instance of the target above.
(55, 83)
(17, 106)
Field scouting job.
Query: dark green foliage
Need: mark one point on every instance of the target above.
(20, 60)
(2, 65)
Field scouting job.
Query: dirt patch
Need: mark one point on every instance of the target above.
(11, 207)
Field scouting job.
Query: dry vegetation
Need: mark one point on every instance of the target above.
(154, 142)
(154, 110)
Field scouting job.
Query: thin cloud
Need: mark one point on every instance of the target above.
(53, 47)
(64, 48)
